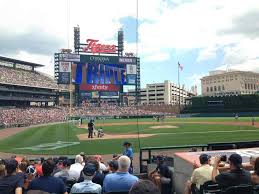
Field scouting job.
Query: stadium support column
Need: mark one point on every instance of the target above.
(56, 75)
(120, 53)
(179, 100)
(56, 66)
(121, 94)
(77, 95)
(137, 87)
(120, 42)
(77, 50)
(77, 39)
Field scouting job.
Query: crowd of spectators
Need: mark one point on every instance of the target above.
(84, 174)
(60, 176)
(105, 109)
(13, 117)
(16, 117)
(25, 77)
(223, 175)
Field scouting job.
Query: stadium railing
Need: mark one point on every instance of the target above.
(203, 147)
(232, 145)
(150, 149)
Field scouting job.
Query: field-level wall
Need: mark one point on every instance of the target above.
(219, 104)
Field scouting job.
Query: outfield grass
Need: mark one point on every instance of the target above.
(186, 133)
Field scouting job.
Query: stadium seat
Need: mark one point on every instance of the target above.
(167, 183)
(69, 184)
(194, 189)
(210, 187)
(256, 189)
(240, 189)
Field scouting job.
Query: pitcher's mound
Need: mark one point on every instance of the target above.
(84, 137)
(163, 127)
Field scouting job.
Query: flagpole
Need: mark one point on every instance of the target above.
(179, 100)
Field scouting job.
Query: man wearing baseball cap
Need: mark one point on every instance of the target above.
(201, 174)
(235, 176)
(87, 186)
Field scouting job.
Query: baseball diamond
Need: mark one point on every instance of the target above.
(69, 138)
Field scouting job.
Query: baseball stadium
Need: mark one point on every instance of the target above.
(92, 122)
(37, 119)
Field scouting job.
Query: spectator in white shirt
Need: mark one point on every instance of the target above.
(77, 167)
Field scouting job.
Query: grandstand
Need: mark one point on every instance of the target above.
(21, 85)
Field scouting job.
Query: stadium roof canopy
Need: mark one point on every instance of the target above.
(15, 61)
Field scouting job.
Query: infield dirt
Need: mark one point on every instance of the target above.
(84, 137)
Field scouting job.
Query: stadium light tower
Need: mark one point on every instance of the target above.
(70, 92)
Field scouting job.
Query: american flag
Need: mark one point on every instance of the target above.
(180, 66)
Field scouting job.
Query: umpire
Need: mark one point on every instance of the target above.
(90, 129)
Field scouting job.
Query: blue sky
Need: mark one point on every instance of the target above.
(158, 71)
(203, 35)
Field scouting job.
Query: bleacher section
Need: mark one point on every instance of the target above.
(21, 77)
(21, 85)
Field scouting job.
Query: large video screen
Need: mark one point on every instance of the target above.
(99, 74)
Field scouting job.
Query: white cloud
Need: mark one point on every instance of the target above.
(244, 50)
(207, 53)
(204, 25)
(158, 57)
(248, 65)
(97, 19)
(196, 80)
(46, 60)
(184, 25)
(242, 56)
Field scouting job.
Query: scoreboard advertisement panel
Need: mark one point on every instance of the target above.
(87, 70)
(99, 74)
(103, 73)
